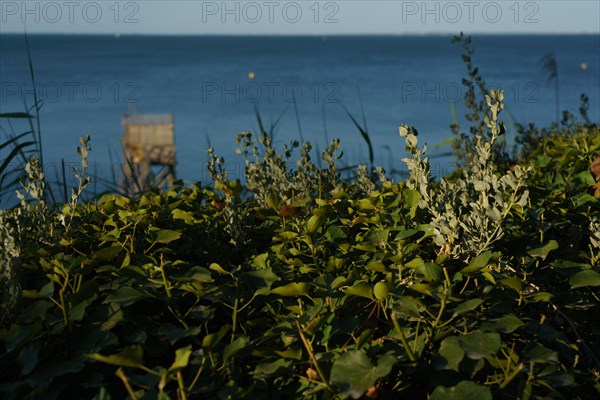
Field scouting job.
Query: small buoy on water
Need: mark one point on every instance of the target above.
(251, 75)
(583, 66)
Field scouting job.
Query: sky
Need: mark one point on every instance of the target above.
(300, 17)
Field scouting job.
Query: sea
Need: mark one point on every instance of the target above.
(306, 88)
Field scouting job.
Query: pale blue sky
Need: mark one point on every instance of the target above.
(300, 17)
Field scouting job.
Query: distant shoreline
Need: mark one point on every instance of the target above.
(262, 35)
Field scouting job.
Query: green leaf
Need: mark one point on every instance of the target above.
(107, 253)
(295, 354)
(273, 369)
(543, 297)
(185, 216)
(467, 306)
(125, 295)
(260, 279)
(412, 199)
(234, 347)
(407, 307)
(587, 277)
(135, 272)
(586, 178)
(260, 261)
(360, 289)
(288, 235)
(378, 237)
(465, 390)
(513, 283)
(477, 263)
(452, 352)
(167, 236)
(315, 222)
(199, 274)
(115, 316)
(430, 272)
(428, 289)
(365, 247)
(478, 345)
(292, 289)
(358, 221)
(508, 323)
(560, 379)
(542, 252)
(376, 266)
(582, 199)
(30, 294)
(131, 356)
(566, 264)
(212, 339)
(77, 311)
(354, 372)
(47, 290)
(182, 359)
(538, 353)
(336, 232)
(406, 234)
(216, 267)
(365, 204)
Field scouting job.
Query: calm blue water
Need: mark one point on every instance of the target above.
(88, 82)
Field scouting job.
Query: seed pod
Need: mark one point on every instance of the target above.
(381, 290)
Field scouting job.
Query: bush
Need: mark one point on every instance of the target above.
(301, 284)
(350, 289)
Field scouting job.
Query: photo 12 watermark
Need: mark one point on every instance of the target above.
(271, 92)
(70, 12)
(453, 92)
(70, 92)
(471, 12)
(271, 12)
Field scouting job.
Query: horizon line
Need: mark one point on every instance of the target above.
(305, 34)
